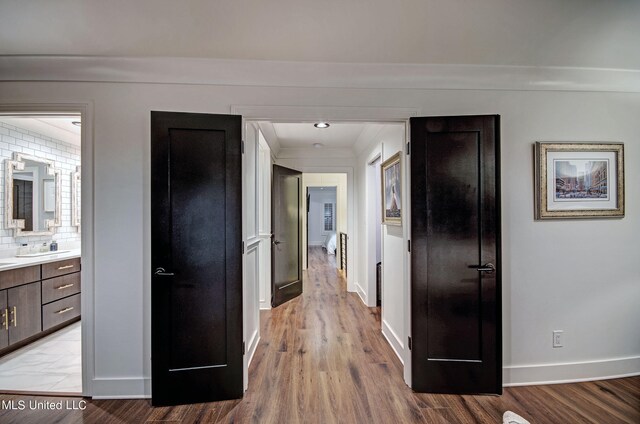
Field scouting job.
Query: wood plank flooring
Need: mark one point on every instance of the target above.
(322, 359)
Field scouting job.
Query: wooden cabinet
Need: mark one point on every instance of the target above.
(60, 287)
(60, 311)
(36, 300)
(25, 315)
(60, 292)
(4, 322)
(55, 269)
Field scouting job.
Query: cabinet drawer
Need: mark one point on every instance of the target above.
(59, 287)
(62, 310)
(56, 269)
(19, 276)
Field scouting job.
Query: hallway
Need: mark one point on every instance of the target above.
(322, 359)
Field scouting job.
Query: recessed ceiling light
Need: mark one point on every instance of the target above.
(321, 125)
(77, 123)
(318, 145)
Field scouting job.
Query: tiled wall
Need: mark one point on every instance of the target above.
(66, 157)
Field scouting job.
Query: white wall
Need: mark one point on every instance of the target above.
(317, 199)
(385, 144)
(66, 158)
(592, 295)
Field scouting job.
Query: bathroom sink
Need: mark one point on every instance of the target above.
(33, 255)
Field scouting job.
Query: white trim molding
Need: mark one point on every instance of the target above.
(394, 340)
(85, 109)
(570, 372)
(361, 293)
(122, 388)
(168, 70)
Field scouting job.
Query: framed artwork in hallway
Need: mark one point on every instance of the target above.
(392, 191)
(579, 180)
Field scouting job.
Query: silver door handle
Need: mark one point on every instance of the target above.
(488, 268)
(161, 271)
(277, 242)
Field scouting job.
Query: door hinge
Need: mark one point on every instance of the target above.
(243, 348)
(410, 343)
(242, 147)
(408, 148)
(243, 248)
(409, 246)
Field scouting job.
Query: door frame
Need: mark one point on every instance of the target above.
(275, 113)
(85, 110)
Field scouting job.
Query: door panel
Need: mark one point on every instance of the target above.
(286, 246)
(455, 216)
(25, 311)
(4, 320)
(196, 258)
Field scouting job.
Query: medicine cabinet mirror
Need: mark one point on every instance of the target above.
(32, 195)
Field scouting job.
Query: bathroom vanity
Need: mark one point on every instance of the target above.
(38, 296)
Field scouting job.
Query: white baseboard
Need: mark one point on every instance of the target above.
(393, 339)
(253, 345)
(121, 388)
(361, 293)
(571, 372)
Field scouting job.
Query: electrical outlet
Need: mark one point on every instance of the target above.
(558, 338)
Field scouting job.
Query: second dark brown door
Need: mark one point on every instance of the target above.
(455, 255)
(286, 241)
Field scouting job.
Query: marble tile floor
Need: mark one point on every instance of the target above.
(51, 364)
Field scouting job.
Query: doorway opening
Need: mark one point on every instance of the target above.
(321, 223)
(41, 347)
(342, 237)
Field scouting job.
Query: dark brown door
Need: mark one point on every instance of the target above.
(25, 311)
(196, 258)
(286, 241)
(455, 255)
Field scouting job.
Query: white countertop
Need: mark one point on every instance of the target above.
(14, 262)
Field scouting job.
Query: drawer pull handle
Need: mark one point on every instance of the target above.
(14, 320)
(62, 311)
(5, 319)
(66, 286)
(60, 268)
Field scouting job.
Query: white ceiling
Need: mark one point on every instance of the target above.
(57, 127)
(338, 135)
(576, 33)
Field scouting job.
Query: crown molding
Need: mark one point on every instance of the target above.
(313, 74)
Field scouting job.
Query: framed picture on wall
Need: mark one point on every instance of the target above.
(392, 191)
(579, 180)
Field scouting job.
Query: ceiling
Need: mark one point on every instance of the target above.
(340, 140)
(338, 135)
(574, 33)
(57, 127)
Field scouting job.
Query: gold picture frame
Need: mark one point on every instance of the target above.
(587, 180)
(391, 174)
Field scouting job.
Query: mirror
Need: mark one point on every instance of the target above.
(32, 195)
(76, 190)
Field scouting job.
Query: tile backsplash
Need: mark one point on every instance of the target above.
(66, 157)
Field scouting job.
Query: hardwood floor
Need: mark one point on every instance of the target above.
(322, 359)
